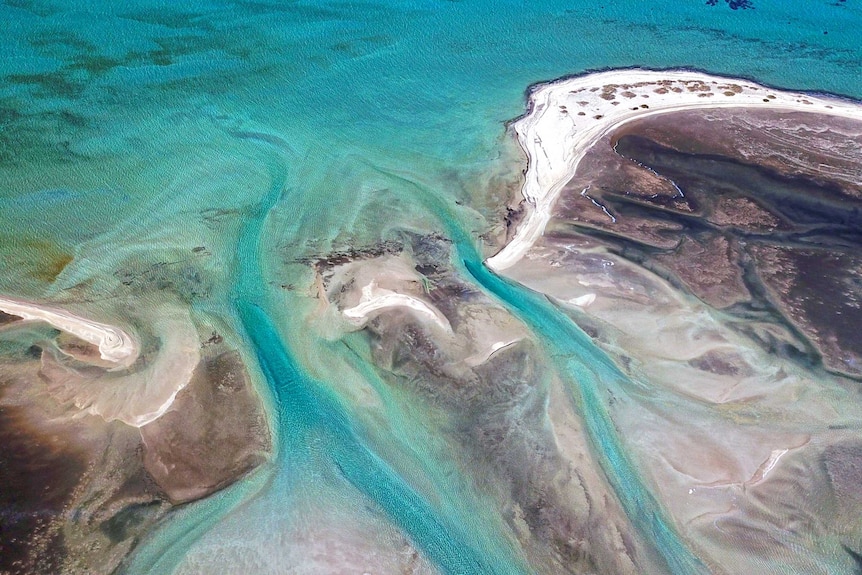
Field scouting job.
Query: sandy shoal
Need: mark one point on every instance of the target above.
(567, 117)
(115, 345)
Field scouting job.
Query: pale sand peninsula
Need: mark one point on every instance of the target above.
(115, 345)
(135, 398)
(567, 117)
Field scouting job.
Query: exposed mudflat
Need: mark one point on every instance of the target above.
(714, 255)
(488, 394)
(751, 211)
(79, 491)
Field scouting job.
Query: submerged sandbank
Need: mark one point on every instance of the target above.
(567, 117)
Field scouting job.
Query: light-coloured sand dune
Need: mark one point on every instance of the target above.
(569, 116)
(115, 345)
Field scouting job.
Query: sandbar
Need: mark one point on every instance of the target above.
(115, 345)
(375, 298)
(567, 117)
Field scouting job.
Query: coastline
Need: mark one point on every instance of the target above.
(566, 117)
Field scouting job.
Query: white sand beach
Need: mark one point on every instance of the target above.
(569, 116)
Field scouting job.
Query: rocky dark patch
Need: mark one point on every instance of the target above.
(325, 263)
(182, 277)
(733, 4)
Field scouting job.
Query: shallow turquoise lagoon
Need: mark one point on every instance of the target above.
(275, 132)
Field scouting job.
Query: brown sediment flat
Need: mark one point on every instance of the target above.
(709, 268)
(743, 213)
(78, 492)
(723, 203)
(6, 318)
(824, 148)
(34, 258)
(213, 434)
(721, 363)
(81, 350)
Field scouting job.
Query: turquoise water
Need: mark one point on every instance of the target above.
(306, 409)
(271, 132)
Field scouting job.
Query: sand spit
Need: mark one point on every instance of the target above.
(569, 116)
(375, 298)
(134, 398)
(115, 345)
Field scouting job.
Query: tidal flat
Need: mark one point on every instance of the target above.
(668, 384)
(719, 250)
(321, 288)
(85, 478)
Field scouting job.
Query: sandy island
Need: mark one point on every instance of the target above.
(567, 117)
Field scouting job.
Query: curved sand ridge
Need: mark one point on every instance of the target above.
(115, 345)
(136, 398)
(133, 398)
(567, 117)
(375, 298)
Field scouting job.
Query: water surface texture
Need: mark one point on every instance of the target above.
(224, 179)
